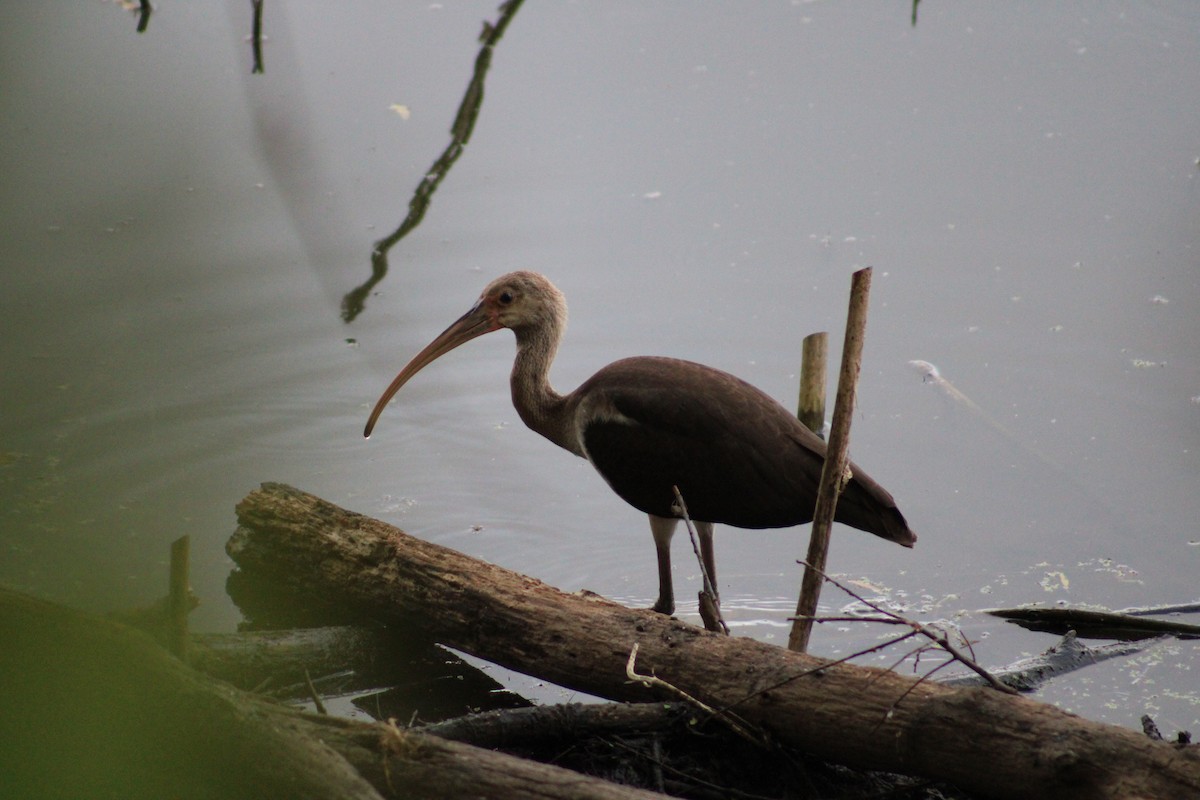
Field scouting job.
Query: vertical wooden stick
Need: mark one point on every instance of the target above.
(811, 409)
(179, 598)
(833, 474)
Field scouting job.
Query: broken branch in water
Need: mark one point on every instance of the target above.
(1066, 655)
(1096, 624)
(938, 637)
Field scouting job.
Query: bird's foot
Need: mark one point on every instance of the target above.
(664, 607)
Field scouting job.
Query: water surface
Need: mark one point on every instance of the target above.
(700, 181)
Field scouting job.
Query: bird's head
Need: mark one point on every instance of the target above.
(522, 301)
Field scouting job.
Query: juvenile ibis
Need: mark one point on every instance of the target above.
(648, 424)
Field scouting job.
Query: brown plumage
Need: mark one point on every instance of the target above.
(648, 423)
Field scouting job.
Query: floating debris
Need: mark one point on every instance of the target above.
(1053, 581)
(930, 374)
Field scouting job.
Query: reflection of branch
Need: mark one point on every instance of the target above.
(144, 16)
(460, 133)
(256, 37)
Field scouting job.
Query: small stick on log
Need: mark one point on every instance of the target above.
(312, 693)
(837, 459)
(811, 407)
(740, 727)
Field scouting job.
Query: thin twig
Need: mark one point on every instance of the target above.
(687, 520)
(713, 608)
(891, 709)
(824, 665)
(312, 692)
(881, 620)
(653, 681)
(933, 634)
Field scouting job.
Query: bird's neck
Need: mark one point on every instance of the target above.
(541, 408)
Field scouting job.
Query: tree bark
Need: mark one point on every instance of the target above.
(93, 708)
(284, 657)
(994, 744)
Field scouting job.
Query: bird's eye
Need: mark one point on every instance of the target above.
(505, 298)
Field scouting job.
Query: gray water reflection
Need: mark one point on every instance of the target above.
(700, 184)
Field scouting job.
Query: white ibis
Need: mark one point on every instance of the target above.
(648, 424)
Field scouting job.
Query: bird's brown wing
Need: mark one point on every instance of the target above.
(734, 453)
(737, 456)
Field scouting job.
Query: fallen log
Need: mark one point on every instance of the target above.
(1095, 624)
(994, 744)
(94, 708)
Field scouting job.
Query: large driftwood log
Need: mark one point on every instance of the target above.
(994, 744)
(94, 708)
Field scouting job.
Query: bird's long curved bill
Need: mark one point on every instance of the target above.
(474, 323)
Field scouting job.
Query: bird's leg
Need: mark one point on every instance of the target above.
(705, 531)
(662, 529)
